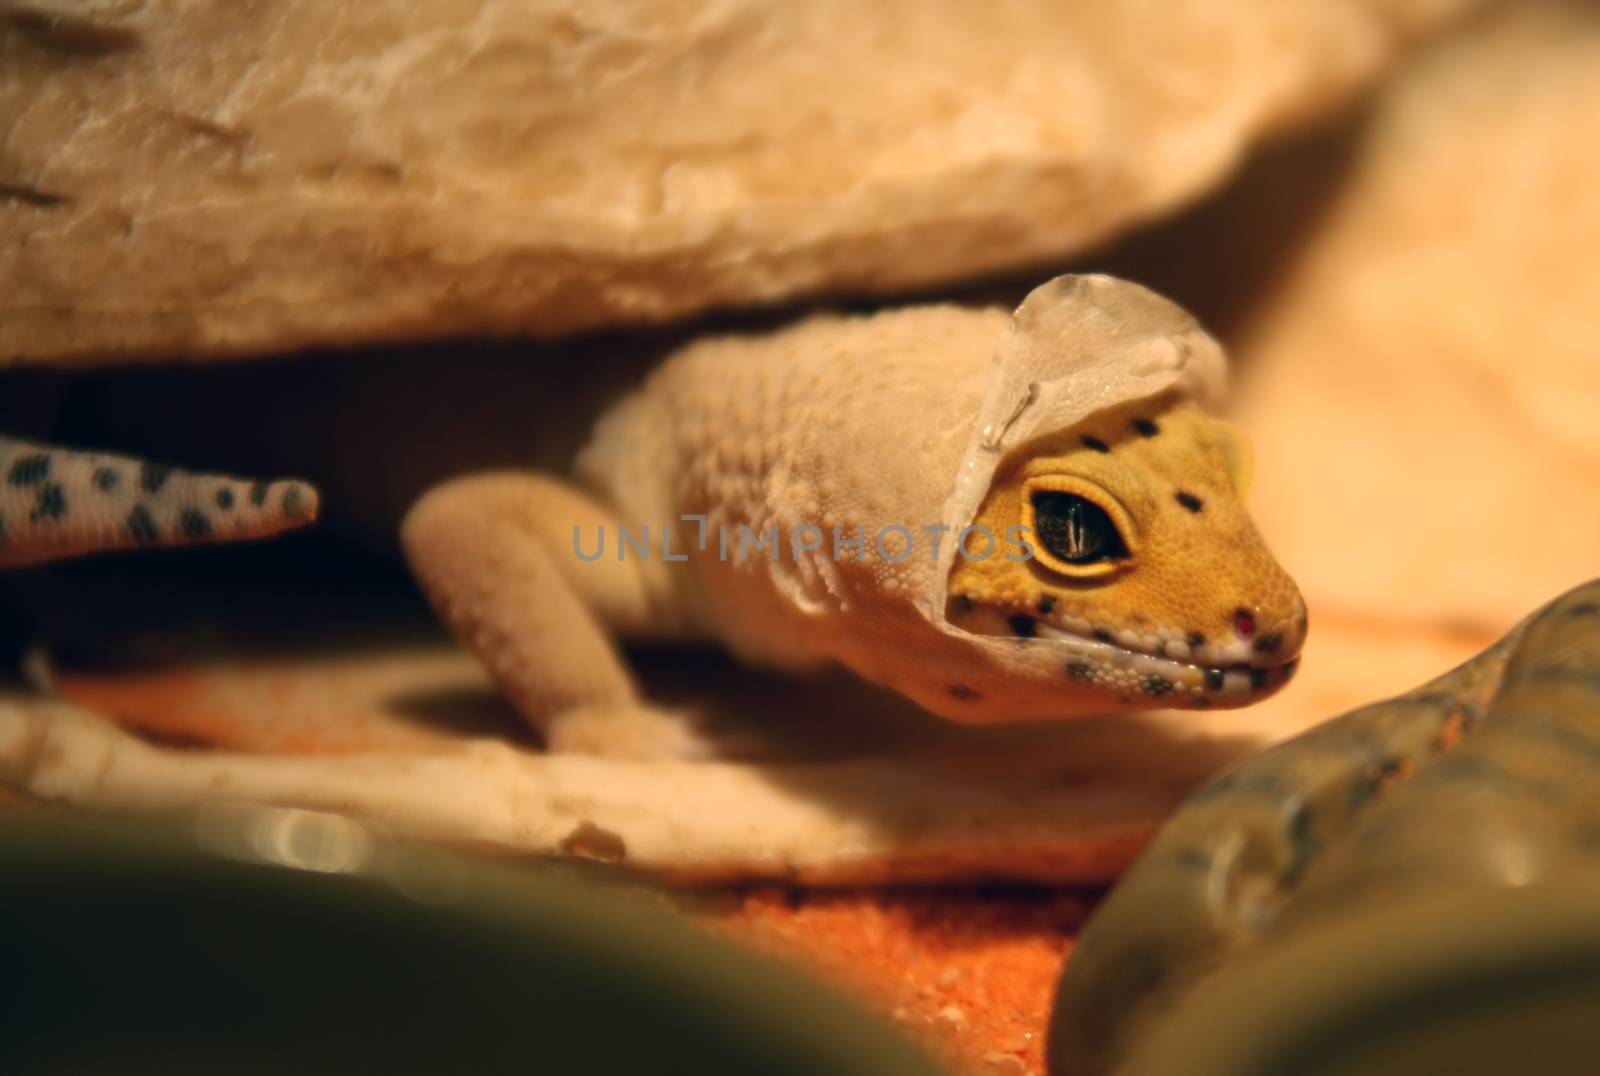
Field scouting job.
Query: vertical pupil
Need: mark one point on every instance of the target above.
(1077, 539)
(1075, 529)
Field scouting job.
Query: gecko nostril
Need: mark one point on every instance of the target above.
(1244, 623)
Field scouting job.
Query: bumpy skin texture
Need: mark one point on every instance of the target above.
(856, 427)
(57, 502)
(1480, 780)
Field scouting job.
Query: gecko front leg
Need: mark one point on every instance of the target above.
(493, 553)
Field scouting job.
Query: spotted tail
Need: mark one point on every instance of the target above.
(58, 502)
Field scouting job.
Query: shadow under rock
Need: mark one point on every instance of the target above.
(1223, 258)
(1220, 258)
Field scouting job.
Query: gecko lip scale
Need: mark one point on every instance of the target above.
(1124, 663)
(1151, 674)
(1125, 668)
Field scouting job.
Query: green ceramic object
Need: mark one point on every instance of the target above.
(1481, 981)
(270, 941)
(1475, 795)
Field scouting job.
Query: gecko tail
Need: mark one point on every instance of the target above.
(59, 502)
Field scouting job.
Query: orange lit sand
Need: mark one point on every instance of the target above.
(968, 973)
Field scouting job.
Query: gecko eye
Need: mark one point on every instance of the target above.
(1074, 529)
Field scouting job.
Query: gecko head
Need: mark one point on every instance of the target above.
(1125, 562)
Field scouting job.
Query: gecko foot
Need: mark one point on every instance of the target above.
(640, 732)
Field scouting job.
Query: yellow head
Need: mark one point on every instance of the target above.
(1126, 541)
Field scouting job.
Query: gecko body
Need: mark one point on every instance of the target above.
(1003, 518)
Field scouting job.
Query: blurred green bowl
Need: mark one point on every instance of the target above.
(256, 941)
(1476, 981)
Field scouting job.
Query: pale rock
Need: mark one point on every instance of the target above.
(201, 177)
(1423, 389)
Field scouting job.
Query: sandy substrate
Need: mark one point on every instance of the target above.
(968, 973)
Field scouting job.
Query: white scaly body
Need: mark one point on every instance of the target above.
(857, 424)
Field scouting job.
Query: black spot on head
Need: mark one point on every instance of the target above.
(1583, 609)
(152, 476)
(963, 605)
(1145, 428)
(1196, 639)
(52, 503)
(225, 498)
(963, 692)
(1258, 678)
(29, 470)
(1214, 679)
(106, 478)
(258, 493)
(1024, 625)
(194, 523)
(1157, 685)
(1095, 443)
(1269, 642)
(1047, 603)
(1190, 501)
(1103, 635)
(142, 525)
(1080, 670)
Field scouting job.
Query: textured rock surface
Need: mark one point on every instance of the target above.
(208, 177)
(1423, 390)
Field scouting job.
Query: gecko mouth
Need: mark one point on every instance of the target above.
(1183, 673)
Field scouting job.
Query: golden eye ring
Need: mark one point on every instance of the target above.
(1075, 528)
